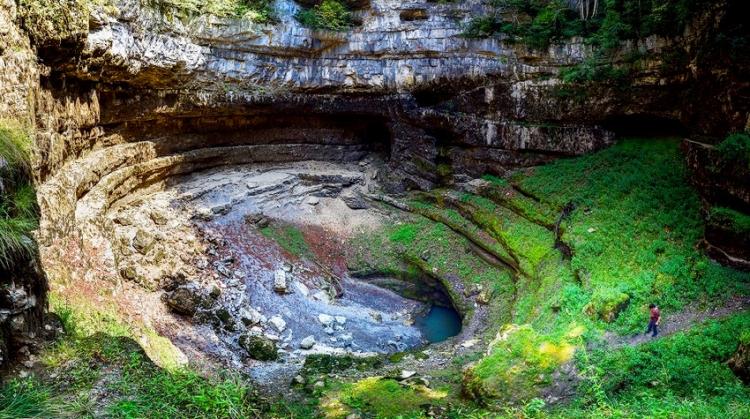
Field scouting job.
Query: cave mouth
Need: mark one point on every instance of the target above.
(644, 125)
(439, 320)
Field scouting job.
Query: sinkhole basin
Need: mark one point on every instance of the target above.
(247, 267)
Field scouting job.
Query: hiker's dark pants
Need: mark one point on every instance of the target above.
(652, 326)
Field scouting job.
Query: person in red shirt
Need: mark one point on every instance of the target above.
(654, 322)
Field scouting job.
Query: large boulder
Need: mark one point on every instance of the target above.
(185, 299)
(607, 305)
(354, 200)
(259, 347)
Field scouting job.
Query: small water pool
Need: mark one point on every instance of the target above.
(439, 324)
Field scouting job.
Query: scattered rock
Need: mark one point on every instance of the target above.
(340, 320)
(307, 343)
(469, 343)
(354, 200)
(258, 220)
(278, 323)
(312, 200)
(298, 379)
(184, 300)
(250, 316)
(158, 217)
(322, 296)
(302, 288)
(143, 241)
(407, 374)
(224, 270)
(259, 347)
(325, 319)
(279, 281)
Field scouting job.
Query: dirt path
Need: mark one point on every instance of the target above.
(672, 323)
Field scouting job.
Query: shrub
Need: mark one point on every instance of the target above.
(735, 148)
(261, 11)
(330, 14)
(18, 210)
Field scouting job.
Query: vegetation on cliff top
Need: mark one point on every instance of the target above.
(541, 22)
(329, 14)
(736, 148)
(261, 11)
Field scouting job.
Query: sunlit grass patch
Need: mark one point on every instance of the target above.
(380, 397)
(518, 362)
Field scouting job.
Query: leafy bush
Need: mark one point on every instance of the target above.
(261, 11)
(594, 70)
(735, 148)
(330, 14)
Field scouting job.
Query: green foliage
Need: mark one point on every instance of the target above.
(606, 304)
(595, 70)
(632, 234)
(731, 219)
(147, 391)
(672, 374)
(518, 361)
(381, 398)
(54, 21)
(289, 237)
(18, 208)
(404, 234)
(635, 226)
(24, 399)
(541, 22)
(261, 11)
(15, 149)
(98, 356)
(329, 14)
(736, 148)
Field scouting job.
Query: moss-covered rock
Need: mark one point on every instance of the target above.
(259, 347)
(324, 363)
(519, 365)
(606, 305)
